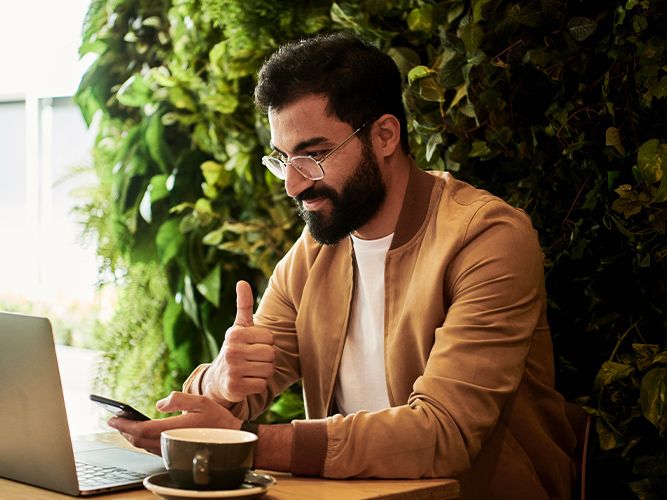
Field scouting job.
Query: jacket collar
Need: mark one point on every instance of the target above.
(415, 206)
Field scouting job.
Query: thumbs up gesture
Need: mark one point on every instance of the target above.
(246, 360)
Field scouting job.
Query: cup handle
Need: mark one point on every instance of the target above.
(200, 467)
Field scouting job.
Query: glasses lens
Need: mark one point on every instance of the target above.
(275, 166)
(307, 167)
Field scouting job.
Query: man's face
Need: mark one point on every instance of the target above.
(352, 190)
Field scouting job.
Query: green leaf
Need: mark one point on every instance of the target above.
(628, 202)
(472, 35)
(478, 10)
(158, 187)
(169, 240)
(215, 174)
(430, 90)
(190, 301)
(613, 138)
(480, 149)
(154, 137)
(652, 160)
(607, 438)
(661, 357)
(134, 92)
(421, 19)
(181, 99)
(170, 320)
(612, 372)
(433, 142)
(419, 72)
(581, 27)
(214, 237)
(644, 354)
(289, 406)
(405, 58)
(209, 287)
(653, 398)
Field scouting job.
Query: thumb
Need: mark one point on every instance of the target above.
(244, 303)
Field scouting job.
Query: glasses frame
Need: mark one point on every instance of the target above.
(280, 168)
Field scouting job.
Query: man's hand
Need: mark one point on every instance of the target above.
(245, 361)
(198, 411)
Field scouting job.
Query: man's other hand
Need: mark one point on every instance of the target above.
(198, 411)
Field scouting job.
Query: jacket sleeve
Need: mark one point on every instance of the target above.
(494, 297)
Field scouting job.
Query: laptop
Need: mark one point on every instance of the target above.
(35, 443)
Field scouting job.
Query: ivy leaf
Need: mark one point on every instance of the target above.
(478, 10)
(404, 58)
(581, 27)
(628, 202)
(433, 142)
(653, 398)
(661, 357)
(421, 19)
(644, 354)
(472, 35)
(612, 372)
(613, 138)
(608, 439)
(419, 72)
(652, 160)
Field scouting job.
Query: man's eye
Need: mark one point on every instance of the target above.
(315, 154)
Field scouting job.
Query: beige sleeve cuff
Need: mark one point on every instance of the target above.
(193, 384)
(309, 447)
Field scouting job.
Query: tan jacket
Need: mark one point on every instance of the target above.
(468, 354)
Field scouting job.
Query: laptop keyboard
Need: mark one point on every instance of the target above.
(94, 475)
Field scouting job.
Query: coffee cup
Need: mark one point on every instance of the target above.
(207, 459)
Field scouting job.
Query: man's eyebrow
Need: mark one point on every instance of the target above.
(313, 141)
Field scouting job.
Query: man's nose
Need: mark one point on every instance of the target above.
(295, 183)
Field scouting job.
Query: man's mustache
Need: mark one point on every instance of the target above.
(320, 192)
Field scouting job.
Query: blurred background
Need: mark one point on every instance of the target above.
(132, 195)
(46, 267)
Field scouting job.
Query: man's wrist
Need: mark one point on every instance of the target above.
(274, 447)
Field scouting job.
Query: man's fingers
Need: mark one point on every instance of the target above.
(248, 335)
(248, 385)
(180, 401)
(244, 303)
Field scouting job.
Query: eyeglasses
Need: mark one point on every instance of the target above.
(308, 166)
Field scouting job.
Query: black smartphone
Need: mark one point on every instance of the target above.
(119, 409)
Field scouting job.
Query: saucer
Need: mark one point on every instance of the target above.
(254, 486)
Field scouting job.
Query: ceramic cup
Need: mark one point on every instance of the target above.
(207, 459)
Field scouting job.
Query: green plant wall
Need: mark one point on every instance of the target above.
(557, 106)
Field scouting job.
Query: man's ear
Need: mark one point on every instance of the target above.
(387, 135)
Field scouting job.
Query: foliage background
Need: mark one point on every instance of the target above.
(557, 106)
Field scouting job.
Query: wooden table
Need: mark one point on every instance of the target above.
(287, 487)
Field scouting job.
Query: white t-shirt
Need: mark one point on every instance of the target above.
(361, 383)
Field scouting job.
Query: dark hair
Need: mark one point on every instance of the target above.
(360, 81)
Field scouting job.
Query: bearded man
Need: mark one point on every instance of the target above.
(412, 308)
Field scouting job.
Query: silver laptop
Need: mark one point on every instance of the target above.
(35, 443)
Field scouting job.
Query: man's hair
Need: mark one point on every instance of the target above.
(359, 81)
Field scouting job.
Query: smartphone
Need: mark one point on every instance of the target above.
(119, 409)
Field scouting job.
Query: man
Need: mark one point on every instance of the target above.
(412, 307)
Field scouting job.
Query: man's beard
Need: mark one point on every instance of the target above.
(359, 200)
